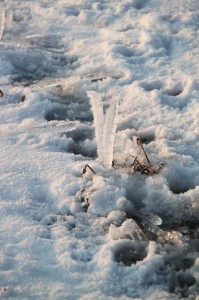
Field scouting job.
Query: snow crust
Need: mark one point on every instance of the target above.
(68, 236)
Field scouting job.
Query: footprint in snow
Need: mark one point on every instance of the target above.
(77, 109)
(81, 141)
(129, 252)
(31, 64)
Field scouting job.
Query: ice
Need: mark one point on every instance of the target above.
(153, 219)
(128, 230)
(173, 237)
(109, 132)
(97, 108)
(131, 229)
(105, 127)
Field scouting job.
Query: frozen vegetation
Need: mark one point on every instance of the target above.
(110, 88)
(105, 128)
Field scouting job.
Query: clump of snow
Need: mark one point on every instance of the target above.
(116, 216)
(128, 230)
(103, 195)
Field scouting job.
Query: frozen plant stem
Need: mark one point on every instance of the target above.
(109, 131)
(105, 127)
(98, 116)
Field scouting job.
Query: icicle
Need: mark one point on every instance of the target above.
(105, 127)
(109, 133)
(98, 116)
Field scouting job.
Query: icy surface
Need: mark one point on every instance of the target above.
(98, 236)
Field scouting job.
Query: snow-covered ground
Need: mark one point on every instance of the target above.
(68, 236)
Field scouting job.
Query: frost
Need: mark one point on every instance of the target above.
(105, 127)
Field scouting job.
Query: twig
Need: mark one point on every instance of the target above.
(139, 143)
(87, 166)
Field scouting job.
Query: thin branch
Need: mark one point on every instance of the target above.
(139, 143)
(87, 166)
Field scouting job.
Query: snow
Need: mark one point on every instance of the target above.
(98, 235)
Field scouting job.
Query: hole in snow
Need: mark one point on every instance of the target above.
(176, 91)
(76, 109)
(80, 134)
(129, 253)
(136, 4)
(150, 86)
(181, 188)
(50, 42)
(124, 51)
(180, 260)
(185, 279)
(136, 192)
(45, 234)
(71, 11)
(180, 179)
(85, 148)
(32, 64)
(179, 263)
(49, 220)
(81, 141)
(84, 256)
(140, 4)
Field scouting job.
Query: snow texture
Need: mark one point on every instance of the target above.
(112, 233)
